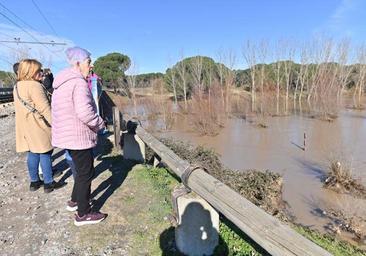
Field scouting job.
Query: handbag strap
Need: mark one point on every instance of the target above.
(30, 108)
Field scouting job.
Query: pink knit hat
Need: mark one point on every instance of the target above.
(76, 54)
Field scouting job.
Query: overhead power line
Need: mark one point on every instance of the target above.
(5, 60)
(30, 42)
(44, 17)
(7, 35)
(23, 21)
(33, 37)
(44, 44)
(8, 46)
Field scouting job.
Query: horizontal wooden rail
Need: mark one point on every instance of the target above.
(267, 231)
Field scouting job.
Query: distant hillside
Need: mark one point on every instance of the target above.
(146, 80)
(354, 71)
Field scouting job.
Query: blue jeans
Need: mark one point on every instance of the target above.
(70, 163)
(33, 160)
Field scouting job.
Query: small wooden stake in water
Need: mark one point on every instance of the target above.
(304, 147)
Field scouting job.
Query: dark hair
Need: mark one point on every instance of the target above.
(15, 68)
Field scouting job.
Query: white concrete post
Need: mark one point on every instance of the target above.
(197, 232)
(133, 147)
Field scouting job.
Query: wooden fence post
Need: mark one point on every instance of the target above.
(116, 127)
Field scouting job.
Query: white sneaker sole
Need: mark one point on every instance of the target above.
(71, 209)
(87, 222)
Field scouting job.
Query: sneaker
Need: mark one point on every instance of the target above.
(35, 185)
(48, 188)
(72, 206)
(89, 218)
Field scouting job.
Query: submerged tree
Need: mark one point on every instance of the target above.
(361, 77)
(250, 56)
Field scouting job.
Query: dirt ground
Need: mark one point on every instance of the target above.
(35, 223)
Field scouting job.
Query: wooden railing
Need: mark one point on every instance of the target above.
(268, 232)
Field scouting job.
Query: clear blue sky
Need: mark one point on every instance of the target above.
(154, 33)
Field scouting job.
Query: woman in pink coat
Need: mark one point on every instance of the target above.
(75, 124)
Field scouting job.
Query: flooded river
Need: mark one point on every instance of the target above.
(279, 148)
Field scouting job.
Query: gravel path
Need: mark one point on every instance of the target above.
(35, 223)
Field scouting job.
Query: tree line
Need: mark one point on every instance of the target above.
(316, 71)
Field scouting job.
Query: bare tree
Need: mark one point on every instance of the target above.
(278, 74)
(182, 71)
(221, 73)
(229, 61)
(42, 56)
(344, 70)
(288, 63)
(304, 66)
(209, 84)
(361, 78)
(172, 77)
(323, 50)
(16, 55)
(263, 49)
(324, 83)
(315, 53)
(197, 67)
(132, 82)
(250, 56)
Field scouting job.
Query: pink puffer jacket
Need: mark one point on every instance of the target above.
(75, 122)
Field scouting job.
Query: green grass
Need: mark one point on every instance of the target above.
(151, 195)
(232, 240)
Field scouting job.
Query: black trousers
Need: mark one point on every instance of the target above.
(83, 161)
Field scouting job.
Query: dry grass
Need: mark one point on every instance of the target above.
(355, 106)
(328, 117)
(240, 106)
(356, 225)
(207, 112)
(342, 217)
(159, 113)
(340, 179)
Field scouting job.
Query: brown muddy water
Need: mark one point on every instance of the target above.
(242, 146)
